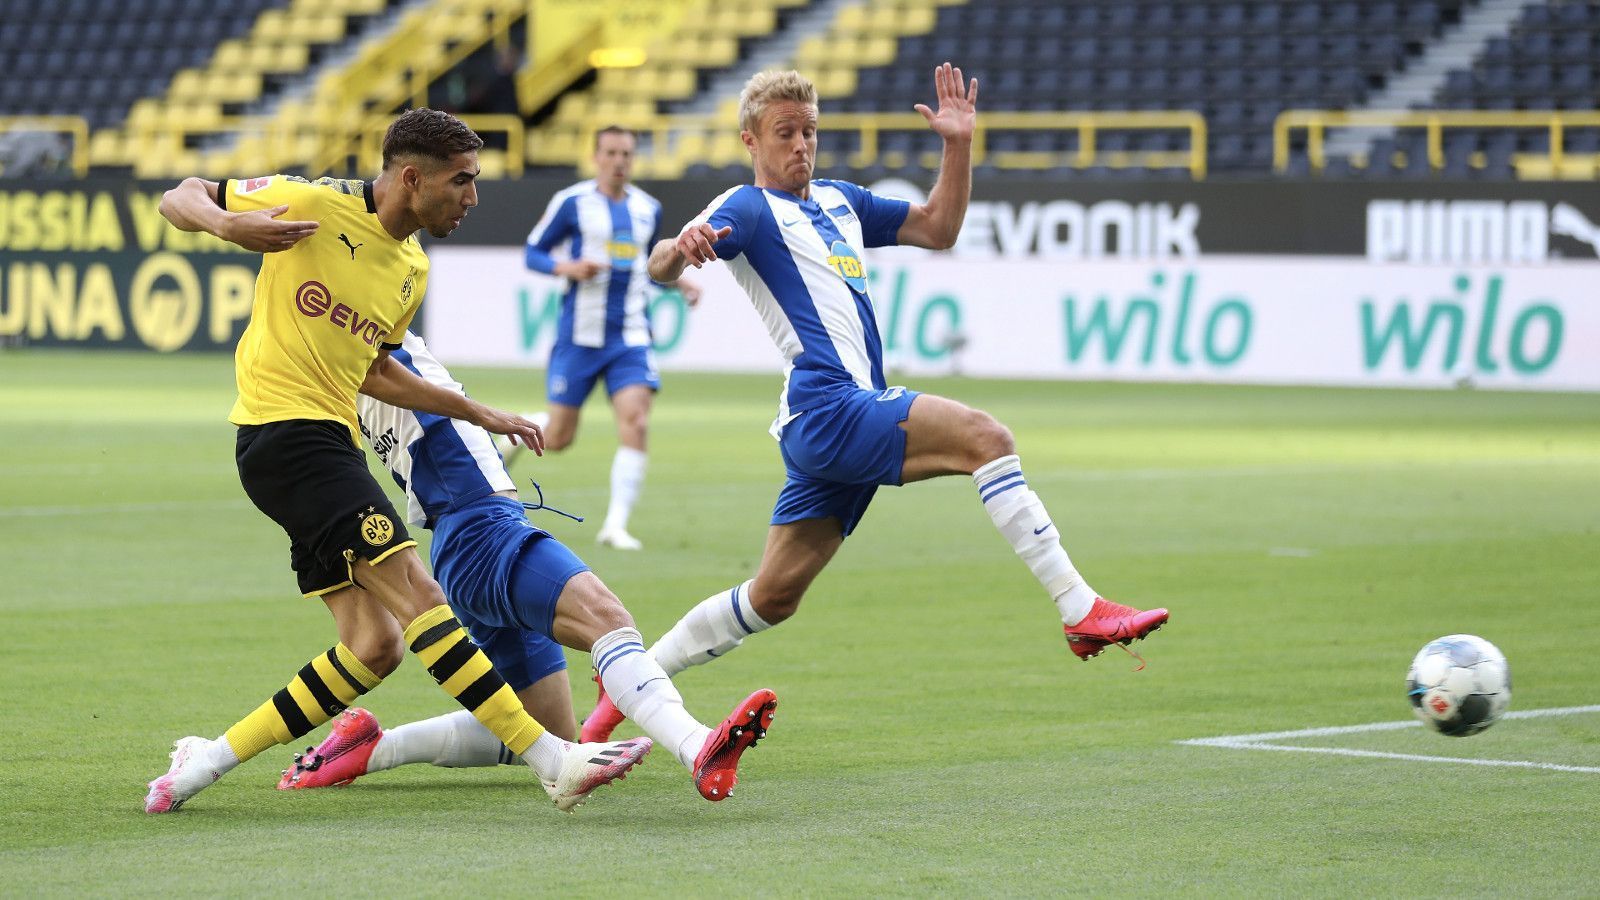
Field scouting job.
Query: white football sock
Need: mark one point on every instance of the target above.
(1021, 517)
(717, 625)
(456, 740)
(627, 480)
(544, 756)
(220, 756)
(637, 685)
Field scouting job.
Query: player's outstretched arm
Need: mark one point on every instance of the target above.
(693, 247)
(936, 223)
(397, 385)
(192, 206)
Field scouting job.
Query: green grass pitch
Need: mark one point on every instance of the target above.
(934, 737)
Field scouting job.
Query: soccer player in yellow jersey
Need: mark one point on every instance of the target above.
(342, 280)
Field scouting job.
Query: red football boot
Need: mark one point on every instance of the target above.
(1112, 623)
(341, 757)
(716, 769)
(603, 720)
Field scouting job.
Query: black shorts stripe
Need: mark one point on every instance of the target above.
(434, 635)
(289, 711)
(452, 660)
(355, 683)
(319, 690)
(480, 690)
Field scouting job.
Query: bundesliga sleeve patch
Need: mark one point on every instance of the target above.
(251, 185)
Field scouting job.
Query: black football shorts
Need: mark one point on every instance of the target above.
(308, 476)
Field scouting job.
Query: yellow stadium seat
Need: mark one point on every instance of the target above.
(1541, 167)
(285, 58)
(229, 54)
(187, 84)
(835, 82)
(675, 84)
(813, 51)
(492, 163)
(852, 20)
(878, 50)
(272, 26)
(108, 147)
(562, 146)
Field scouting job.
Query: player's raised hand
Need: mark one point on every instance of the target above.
(519, 430)
(262, 231)
(696, 240)
(957, 115)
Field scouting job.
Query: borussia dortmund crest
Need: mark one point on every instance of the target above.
(407, 287)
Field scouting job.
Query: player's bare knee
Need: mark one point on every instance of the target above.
(586, 610)
(381, 651)
(557, 441)
(633, 428)
(608, 612)
(990, 439)
(420, 596)
(775, 603)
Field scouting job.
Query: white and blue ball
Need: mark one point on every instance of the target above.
(1459, 684)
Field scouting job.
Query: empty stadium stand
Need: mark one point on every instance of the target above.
(1086, 88)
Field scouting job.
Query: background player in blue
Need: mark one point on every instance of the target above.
(603, 227)
(794, 244)
(515, 588)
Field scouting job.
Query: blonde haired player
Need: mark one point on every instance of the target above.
(794, 244)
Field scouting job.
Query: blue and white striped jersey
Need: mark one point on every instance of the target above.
(442, 464)
(800, 262)
(613, 306)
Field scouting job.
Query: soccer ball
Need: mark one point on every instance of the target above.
(1459, 684)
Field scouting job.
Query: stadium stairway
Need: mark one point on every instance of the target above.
(163, 133)
(858, 34)
(1519, 99)
(338, 125)
(1415, 86)
(709, 37)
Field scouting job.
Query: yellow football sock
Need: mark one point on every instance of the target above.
(322, 689)
(438, 639)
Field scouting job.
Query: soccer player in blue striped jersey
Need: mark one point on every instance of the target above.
(601, 230)
(519, 592)
(795, 245)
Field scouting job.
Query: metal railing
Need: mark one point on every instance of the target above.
(1316, 122)
(75, 127)
(667, 135)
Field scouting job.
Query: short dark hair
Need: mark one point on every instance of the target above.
(614, 129)
(429, 133)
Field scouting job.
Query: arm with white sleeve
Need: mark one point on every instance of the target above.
(559, 224)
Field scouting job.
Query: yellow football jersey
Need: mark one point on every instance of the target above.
(323, 307)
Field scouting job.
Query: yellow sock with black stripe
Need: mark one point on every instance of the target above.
(438, 639)
(323, 688)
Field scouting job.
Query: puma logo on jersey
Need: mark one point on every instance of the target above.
(346, 241)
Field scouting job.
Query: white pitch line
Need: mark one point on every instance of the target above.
(1341, 751)
(1261, 742)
